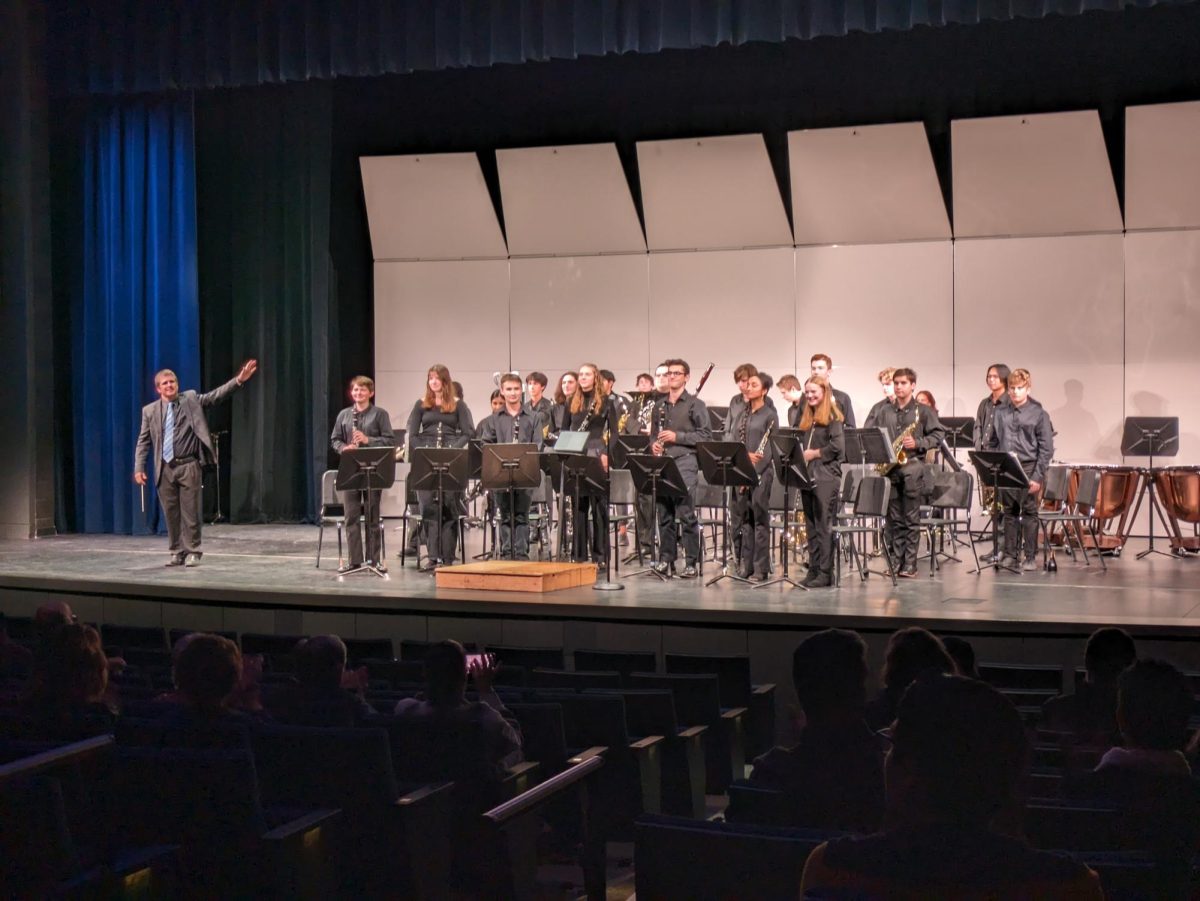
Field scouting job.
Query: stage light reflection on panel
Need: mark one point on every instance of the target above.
(1162, 159)
(893, 304)
(567, 200)
(866, 184)
(421, 309)
(711, 193)
(567, 310)
(1053, 306)
(1032, 175)
(430, 207)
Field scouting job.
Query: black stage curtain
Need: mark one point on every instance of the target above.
(133, 46)
(267, 289)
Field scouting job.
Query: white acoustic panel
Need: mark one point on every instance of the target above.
(1045, 174)
(1162, 332)
(570, 310)
(1053, 306)
(1162, 159)
(455, 313)
(874, 306)
(567, 200)
(866, 184)
(430, 207)
(725, 307)
(711, 193)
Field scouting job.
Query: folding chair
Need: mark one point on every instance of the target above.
(869, 518)
(949, 510)
(332, 513)
(1074, 516)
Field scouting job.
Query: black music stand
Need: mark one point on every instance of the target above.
(1003, 471)
(872, 447)
(960, 432)
(726, 463)
(1151, 436)
(716, 419)
(596, 484)
(655, 477)
(626, 445)
(440, 469)
(510, 468)
(569, 444)
(792, 471)
(368, 470)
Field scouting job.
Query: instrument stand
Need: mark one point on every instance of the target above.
(655, 477)
(597, 480)
(789, 463)
(726, 463)
(218, 516)
(448, 468)
(1002, 468)
(368, 470)
(1152, 435)
(509, 468)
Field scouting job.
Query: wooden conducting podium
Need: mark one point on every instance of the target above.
(517, 575)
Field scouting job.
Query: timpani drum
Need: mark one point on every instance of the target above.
(1179, 490)
(1118, 487)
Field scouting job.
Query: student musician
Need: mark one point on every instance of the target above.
(753, 428)
(513, 423)
(591, 410)
(889, 397)
(914, 429)
(680, 423)
(641, 406)
(640, 422)
(439, 419)
(741, 376)
(497, 402)
(362, 424)
(822, 365)
(997, 397)
(538, 404)
(560, 413)
(793, 393)
(822, 437)
(1024, 429)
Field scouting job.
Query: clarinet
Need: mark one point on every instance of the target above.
(354, 419)
(439, 435)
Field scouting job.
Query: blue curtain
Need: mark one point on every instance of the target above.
(136, 310)
(119, 46)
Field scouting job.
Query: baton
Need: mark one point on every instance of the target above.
(142, 489)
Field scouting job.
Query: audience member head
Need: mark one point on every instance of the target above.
(962, 654)
(207, 670)
(70, 668)
(445, 672)
(50, 617)
(321, 661)
(911, 652)
(829, 670)
(1153, 706)
(958, 753)
(1108, 653)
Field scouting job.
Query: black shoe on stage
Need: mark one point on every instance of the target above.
(689, 572)
(822, 580)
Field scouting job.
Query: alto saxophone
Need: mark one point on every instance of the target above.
(898, 446)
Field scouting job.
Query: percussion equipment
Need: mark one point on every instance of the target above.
(1179, 489)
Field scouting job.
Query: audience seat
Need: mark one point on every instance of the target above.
(151, 638)
(737, 690)
(707, 861)
(360, 650)
(624, 662)
(579, 680)
(529, 658)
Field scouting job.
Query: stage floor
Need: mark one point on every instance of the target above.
(274, 566)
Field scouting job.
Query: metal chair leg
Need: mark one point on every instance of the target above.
(320, 538)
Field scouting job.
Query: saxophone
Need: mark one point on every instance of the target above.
(898, 445)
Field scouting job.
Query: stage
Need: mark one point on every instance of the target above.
(272, 567)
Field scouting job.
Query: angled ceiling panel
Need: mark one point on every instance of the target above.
(711, 194)
(1032, 175)
(560, 201)
(865, 185)
(1162, 159)
(430, 207)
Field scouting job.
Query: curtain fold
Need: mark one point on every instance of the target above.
(117, 46)
(268, 287)
(135, 310)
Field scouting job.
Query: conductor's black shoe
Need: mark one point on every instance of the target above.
(689, 572)
(176, 560)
